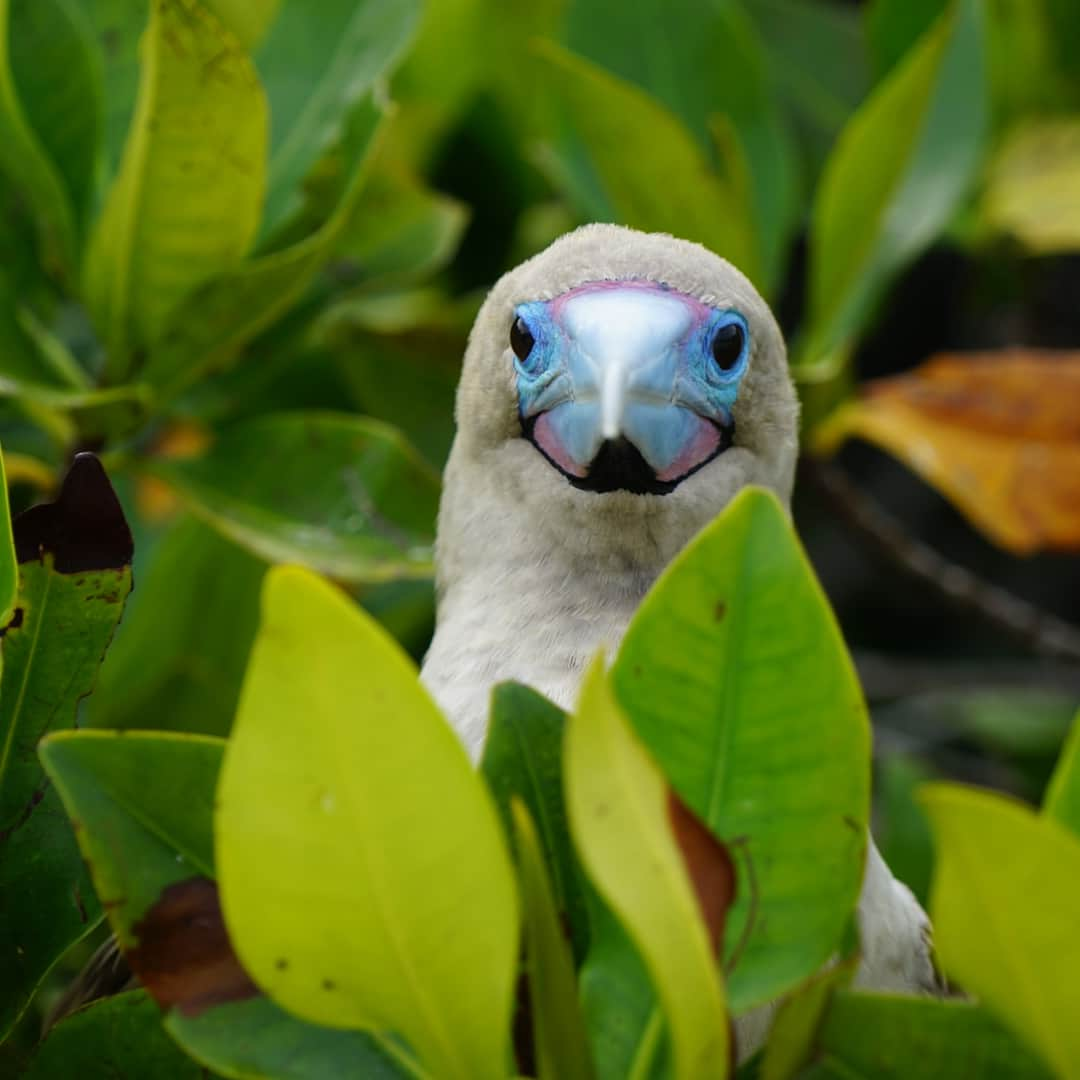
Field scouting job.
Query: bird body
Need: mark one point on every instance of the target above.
(618, 389)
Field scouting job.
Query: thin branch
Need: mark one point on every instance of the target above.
(1040, 631)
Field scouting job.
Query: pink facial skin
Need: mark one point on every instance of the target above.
(704, 444)
(547, 440)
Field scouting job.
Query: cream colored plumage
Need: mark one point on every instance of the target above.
(534, 575)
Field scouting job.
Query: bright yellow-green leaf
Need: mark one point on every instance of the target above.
(562, 1052)
(248, 19)
(618, 805)
(185, 205)
(363, 873)
(1033, 190)
(9, 571)
(735, 676)
(1004, 904)
(1063, 793)
(217, 320)
(898, 170)
(654, 174)
(23, 157)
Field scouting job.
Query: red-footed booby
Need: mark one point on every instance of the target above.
(617, 390)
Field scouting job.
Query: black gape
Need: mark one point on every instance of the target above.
(619, 466)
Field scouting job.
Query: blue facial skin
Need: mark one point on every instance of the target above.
(664, 352)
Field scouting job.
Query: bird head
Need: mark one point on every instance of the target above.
(621, 384)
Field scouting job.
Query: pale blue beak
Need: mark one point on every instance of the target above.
(632, 365)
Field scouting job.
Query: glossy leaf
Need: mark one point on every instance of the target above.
(1031, 190)
(58, 79)
(184, 206)
(74, 575)
(24, 157)
(735, 676)
(559, 1033)
(118, 1036)
(996, 433)
(617, 800)
(9, 572)
(1003, 906)
(316, 71)
(886, 1037)
(655, 176)
(345, 495)
(415, 930)
(523, 760)
(150, 848)
(882, 201)
(219, 319)
(1062, 800)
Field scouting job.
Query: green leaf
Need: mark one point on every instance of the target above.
(402, 230)
(74, 575)
(1003, 905)
(883, 200)
(316, 71)
(653, 173)
(559, 1032)
(375, 889)
(679, 68)
(625, 1024)
(819, 96)
(883, 1037)
(618, 805)
(1063, 794)
(900, 826)
(57, 74)
(9, 573)
(255, 1038)
(893, 26)
(342, 494)
(146, 844)
(795, 1025)
(184, 206)
(214, 324)
(735, 676)
(248, 19)
(523, 760)
(137, 837)
(180, 653)
(113, 1038)
(24, 157)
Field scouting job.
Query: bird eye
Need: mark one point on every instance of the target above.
(727, 345)
(521, 339)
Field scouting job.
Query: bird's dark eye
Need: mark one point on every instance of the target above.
(521, 339)
(727, 345)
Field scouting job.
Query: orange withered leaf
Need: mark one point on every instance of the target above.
(997, 433)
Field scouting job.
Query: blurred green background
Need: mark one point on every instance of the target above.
(243, 244)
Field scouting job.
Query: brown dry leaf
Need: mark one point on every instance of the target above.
(184, 957)
(709, 865)
(996, 433)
